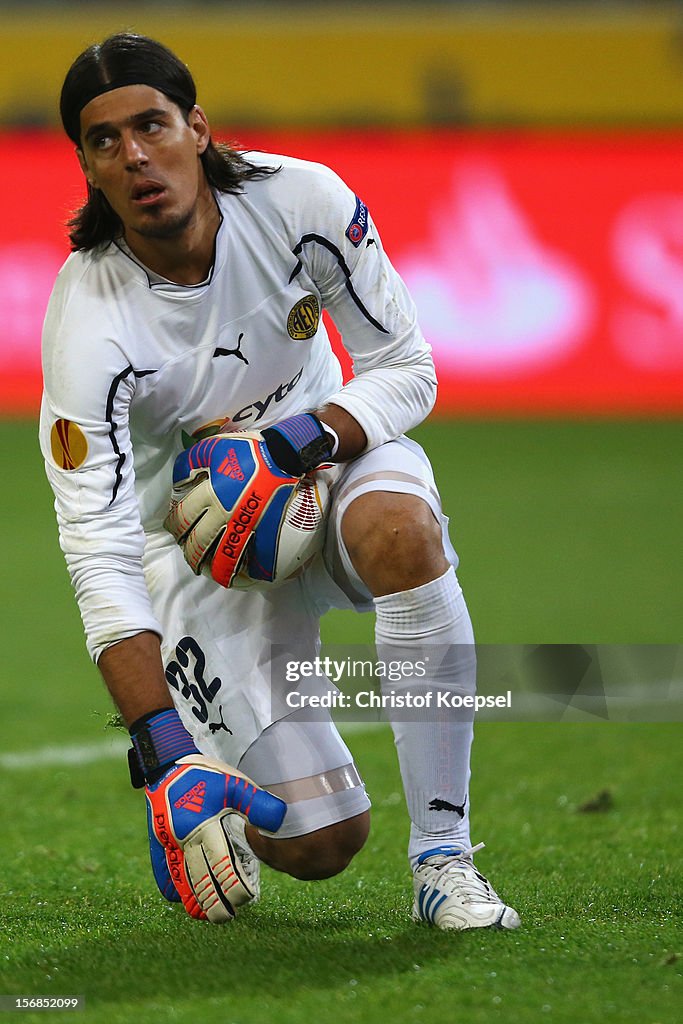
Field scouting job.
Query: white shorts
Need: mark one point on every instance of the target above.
(307, 764)
(217, 651)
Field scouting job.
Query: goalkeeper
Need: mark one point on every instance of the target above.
(192, 302)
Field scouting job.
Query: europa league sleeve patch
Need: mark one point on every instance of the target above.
(68, 443)
(358, 228)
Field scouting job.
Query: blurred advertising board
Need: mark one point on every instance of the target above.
(547, 267)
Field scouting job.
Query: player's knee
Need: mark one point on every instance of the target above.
(394, 541)
(328, 851)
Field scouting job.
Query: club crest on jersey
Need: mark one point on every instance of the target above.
(358, 228)
(69, 444)
(303, 319)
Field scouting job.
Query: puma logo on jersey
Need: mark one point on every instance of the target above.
(232, 351)
(443, 805)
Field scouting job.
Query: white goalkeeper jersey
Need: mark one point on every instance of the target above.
(133, 364)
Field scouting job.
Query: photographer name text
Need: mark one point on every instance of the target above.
(370, 699)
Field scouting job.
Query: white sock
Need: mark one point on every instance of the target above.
(431, 624)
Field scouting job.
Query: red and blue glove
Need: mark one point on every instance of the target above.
(227, 484)
(188, 795)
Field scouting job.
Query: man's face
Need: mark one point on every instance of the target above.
(141, 152)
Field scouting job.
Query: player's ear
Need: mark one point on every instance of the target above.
(199, 124)
(84, 167)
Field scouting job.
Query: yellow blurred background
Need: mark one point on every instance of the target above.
(311, 65)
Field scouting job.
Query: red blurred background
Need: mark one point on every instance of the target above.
(547, 267)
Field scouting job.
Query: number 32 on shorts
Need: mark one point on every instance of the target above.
(190, 660)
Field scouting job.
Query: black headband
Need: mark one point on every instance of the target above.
(185, 102)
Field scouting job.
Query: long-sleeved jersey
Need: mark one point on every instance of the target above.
(133, 364)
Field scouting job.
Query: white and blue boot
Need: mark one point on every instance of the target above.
(451, 893)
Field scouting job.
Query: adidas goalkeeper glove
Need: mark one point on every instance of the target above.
(188, 794)
(224, 485)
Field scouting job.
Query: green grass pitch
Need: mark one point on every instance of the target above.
(567, 532)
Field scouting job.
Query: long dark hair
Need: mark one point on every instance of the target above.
(129, 59)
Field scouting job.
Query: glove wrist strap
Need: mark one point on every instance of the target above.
(298, 444)
(159, 739)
